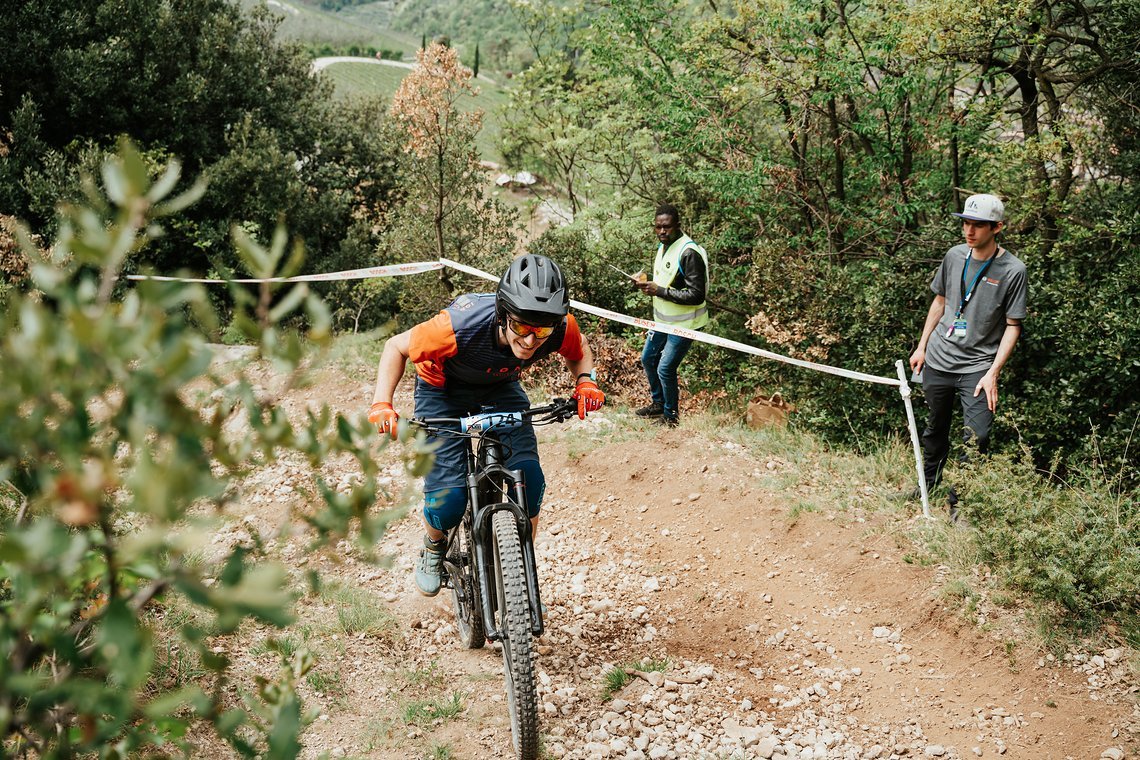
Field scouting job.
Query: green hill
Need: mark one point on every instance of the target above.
(363, 26)
(369, 79)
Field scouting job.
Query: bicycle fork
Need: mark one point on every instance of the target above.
(484, 534)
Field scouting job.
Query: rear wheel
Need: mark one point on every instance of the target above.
(514, 622)
(465, 588)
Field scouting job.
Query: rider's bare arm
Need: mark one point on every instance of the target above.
(391, 367)
(585, 364)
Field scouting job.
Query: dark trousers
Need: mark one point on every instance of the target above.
(941, 389)
(661, 357)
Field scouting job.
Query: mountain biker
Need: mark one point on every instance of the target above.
(468, 359)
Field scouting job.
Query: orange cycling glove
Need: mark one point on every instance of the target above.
(384, 417)
(589, 397)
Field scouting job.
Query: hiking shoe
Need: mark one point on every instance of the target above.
(668, 421)
(429, 566)
(653, 410)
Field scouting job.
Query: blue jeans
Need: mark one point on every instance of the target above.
(661, 357)
(445, 495)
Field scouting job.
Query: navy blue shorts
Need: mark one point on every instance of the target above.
(450, 467)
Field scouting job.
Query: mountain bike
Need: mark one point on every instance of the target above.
(489, 562)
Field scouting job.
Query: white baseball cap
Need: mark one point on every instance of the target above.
(983, 208)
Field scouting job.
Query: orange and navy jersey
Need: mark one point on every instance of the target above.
(458, 346)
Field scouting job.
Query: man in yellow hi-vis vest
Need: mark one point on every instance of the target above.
(680, 279)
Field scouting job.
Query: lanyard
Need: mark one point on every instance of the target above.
(968, 292)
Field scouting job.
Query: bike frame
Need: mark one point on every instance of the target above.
(492, 487)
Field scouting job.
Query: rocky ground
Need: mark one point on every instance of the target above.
(757, 620)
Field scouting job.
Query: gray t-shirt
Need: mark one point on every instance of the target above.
(1000, 294)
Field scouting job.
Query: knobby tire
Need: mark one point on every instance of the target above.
(514, 623)
(465, 597)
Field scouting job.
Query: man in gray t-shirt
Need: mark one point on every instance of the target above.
(970, 331)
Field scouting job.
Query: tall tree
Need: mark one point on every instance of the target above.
(196, 80)
(817, 150)
(445, 212)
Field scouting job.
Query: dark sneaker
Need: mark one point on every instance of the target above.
(653, 410)
(428, 567)
(668, 421)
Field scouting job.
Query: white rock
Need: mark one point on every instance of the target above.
(749, 735)
(767, 747)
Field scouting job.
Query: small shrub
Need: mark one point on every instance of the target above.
(426, 712)
(106, 609)
(359, 611)
(330, 683)
(1073, 547)
(614, 681)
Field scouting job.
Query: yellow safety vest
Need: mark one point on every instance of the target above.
(665, 269)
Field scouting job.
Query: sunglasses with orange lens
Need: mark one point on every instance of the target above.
(522, 329)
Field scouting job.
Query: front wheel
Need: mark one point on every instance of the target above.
(513, 608)
(465, 588)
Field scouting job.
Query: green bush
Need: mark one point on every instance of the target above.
(117, 433)
(211, 85)
(1073, 547)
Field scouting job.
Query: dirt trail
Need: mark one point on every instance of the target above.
(805, 636)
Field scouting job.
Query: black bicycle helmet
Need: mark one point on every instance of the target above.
(533, 290)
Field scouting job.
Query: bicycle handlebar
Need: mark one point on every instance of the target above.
(559, 410)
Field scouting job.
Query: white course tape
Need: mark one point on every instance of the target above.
(348, 274)
(649, 324)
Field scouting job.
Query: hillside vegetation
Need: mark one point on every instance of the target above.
(816, 152)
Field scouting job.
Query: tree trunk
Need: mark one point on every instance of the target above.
(837, 148)
(798, 156)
